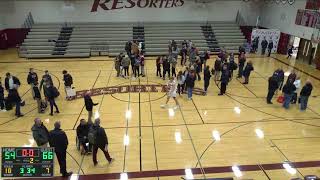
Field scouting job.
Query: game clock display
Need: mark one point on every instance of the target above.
(27, 162)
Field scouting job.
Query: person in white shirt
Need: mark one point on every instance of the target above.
(297, 84)
(172, 92)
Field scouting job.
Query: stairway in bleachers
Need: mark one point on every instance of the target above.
(62, 41)
(210, 38)
(228, 35)
(138, 35)
(100, 38)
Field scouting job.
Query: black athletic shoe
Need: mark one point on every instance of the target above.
(67, 174)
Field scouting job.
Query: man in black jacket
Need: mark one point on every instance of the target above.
(288, 90)
(304, 95)
(224, 80)
(89, 105)
(32, 80)
(82, 134)
(264, 45)
(166, 67)
(101, 142)
(206, 78)
(242, 61)
(270, 47)
(48, 77)
(67, 78)
(12, 84)
(59, 140)
(52, 93)
(272, 87)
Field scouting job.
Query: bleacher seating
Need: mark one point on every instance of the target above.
(89, 39)
(228, 35)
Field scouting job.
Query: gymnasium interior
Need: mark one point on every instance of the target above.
(233, 136)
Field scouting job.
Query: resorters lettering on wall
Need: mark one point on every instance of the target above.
(119, 4)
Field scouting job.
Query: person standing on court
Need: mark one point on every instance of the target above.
(32, 80)
(190, 78)
(98, 138)
(270, 47)
(232, 65)
(48, 78)
(224, 80)
(59, 140)
(288, 90)
(247, 72)
(40, 133)
(12, 84)
(173, 66)
(172, 92)
(89, 105)
(242, 61)
(279, 73)
(142, 63)
(165, 67)
(206, 77)
(264, 45)
(297, 84)
(272, 87)
(52, 93)
(158, 64)
(304, 95)
(82, 134)
(125, 64)
(2, 104)
(68, 81)
(181, 80)
(117, 64)
(217, 69)
(290, 52)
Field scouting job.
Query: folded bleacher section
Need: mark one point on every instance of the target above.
(59, 40)
(228, 35)
(157, 36)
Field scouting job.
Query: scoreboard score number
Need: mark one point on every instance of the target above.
(27, 162)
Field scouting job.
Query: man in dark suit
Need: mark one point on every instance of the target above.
(101, 141)
(59, 140)
(32, 80)
(82, 134)
(68, 81)
(270, 47)
(12, 84)
(272, 87)
(264, 45)
(89, 105)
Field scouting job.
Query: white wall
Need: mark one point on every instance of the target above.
(52, 11)
(282, 17)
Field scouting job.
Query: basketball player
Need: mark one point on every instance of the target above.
(172, 92)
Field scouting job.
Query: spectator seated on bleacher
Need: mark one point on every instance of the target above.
(82, 137)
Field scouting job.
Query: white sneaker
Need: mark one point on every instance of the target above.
(3, 110)
(163, 105)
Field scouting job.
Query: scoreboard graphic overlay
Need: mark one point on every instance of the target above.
(27, 162)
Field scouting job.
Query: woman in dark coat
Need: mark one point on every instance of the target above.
(247, 72)
(224, 80)
(206, 77)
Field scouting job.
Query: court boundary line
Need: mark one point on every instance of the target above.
(209, 170)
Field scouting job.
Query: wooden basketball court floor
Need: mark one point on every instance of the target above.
(153, 151)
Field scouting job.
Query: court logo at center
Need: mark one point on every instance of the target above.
(132, 89)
